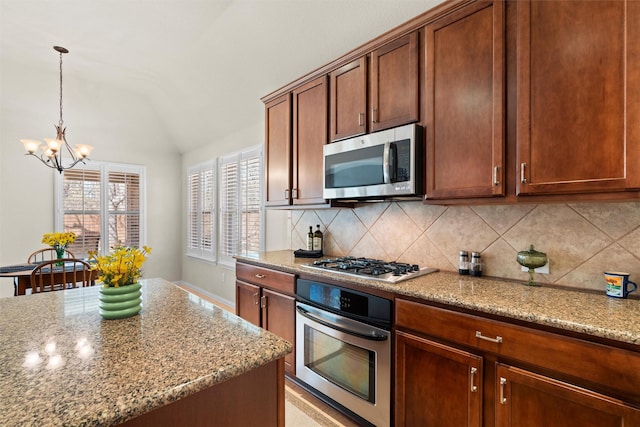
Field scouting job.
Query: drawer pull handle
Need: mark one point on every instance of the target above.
(473, 373)
(497, 339)
(503, 381)
(496, 181)
(263, 302)
(260, 276)
(523, 178)
(255, 299)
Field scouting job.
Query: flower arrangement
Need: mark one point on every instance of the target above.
(58, 240)
(123, 266)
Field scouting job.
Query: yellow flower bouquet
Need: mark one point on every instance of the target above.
(58, 240)
(121, 267)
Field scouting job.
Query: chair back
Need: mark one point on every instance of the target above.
(49, 276)
(47, 254)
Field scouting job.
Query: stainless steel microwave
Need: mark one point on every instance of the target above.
(385, 164)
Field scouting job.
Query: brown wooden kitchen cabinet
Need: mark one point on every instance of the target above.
(296, 130)
(310, 115)
(392, 81)
(266, 298)
(465, 114)
(436, 385)
(578, 96)
(278, 151)
(348, 100)
(528, 399)
(524, 376)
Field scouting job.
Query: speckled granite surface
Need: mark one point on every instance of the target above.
(62, 364)
(588, 313)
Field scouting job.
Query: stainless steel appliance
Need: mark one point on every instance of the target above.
(374, 269)
(343, 348)
(385, 164)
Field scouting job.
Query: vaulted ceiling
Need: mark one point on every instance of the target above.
(202, 65)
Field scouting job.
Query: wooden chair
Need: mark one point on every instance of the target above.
(48, 276)
(47, 254)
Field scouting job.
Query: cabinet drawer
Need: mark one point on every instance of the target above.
(613, 368)
(277, 280)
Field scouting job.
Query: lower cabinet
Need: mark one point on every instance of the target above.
(436, 385)
(458, 369)
(266, 298)
(528, 399)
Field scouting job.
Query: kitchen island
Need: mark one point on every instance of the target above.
(181, 361)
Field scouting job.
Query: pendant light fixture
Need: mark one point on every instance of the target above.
(51, 154)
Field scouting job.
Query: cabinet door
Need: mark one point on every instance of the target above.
(527, 399)
(394, 83)
(278, 316)
(309, 136)
(248, 302)
(464, 105)
(278, 151)
(348, 100)
(436, 385)
(578, 96)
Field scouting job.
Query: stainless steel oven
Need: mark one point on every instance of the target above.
(343, 348)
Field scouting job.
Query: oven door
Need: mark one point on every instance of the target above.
(347, 360)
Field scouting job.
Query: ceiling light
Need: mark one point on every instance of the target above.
(51, 154)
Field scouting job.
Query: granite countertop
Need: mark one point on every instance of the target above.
(583, 312)
(62, 364)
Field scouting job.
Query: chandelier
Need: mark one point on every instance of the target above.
(51, 153)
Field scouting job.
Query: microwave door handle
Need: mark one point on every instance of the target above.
(386, 163)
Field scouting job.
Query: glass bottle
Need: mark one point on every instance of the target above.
(310, 239)
(317, 239)
(463, 263)
(476, 264)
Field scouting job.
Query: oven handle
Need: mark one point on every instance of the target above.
(373, 336)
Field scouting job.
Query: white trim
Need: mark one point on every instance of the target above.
(207, 255)
(208, 294)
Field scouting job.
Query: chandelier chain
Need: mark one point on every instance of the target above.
(61, 121)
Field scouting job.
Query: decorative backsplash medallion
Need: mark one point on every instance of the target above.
(581, 239)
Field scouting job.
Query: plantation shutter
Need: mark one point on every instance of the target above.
(229, 223)
(81, 209)
(240, 204)
(124, 209)
(251, 204)
(103, 204)
(201, 211)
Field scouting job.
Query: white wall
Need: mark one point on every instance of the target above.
(122, 128)
(218, 280)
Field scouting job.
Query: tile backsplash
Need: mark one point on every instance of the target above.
(580, 239)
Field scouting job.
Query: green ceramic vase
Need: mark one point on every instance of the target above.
(121, 302)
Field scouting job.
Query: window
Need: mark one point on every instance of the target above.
(201, 189)
(101, 200)
(241, 215)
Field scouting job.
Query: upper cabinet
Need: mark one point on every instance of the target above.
(348, 112)
(296, 130)
(394, 83)
(464, 103)
(578, 96)
(392, 80)
(309, 136)
(278, 151)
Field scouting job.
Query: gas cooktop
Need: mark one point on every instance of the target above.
(372, 269)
